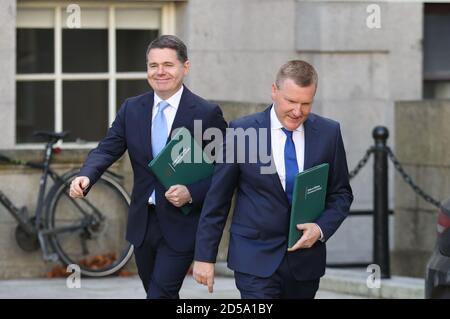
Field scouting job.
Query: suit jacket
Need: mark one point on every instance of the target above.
(259, 229)
(132, 130)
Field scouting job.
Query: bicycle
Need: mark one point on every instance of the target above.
(89, 232)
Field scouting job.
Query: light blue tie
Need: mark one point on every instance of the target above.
(290, 163)
(159, 134)
(159, 129)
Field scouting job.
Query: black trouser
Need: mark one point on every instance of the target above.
(281, 285)
(161, 269)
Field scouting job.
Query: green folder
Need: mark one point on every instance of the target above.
(308, 199)
(182, 161)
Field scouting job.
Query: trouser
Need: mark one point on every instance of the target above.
(281, 285)
(161, 269)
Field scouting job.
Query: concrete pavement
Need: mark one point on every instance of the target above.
(122, 288)
(336, 284)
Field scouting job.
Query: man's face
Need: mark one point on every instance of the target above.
(165, 73)
(292, 103)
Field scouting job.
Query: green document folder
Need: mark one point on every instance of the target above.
(308, 199)
(181, 161)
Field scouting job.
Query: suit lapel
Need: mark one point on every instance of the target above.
(185, 112)
(145, 124)
(311, 139)
(264, 122)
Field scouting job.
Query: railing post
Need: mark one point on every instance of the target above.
(381, 212)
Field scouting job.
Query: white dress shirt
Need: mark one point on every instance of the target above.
(278, 140)
(169, 113)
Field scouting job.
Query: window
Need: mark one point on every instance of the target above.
(76, 79)
(436, 51)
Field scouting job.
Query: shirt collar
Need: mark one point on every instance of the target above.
(174, 100)
(275, 122)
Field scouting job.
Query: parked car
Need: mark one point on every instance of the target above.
(437, 279)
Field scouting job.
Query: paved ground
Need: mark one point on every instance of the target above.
(112, 288)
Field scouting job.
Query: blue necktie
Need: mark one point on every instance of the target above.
(159, 134)
(290, 163)
(159, 129)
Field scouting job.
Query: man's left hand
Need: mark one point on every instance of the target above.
(178, 195)
(311, 234)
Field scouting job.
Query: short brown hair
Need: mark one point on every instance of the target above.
(302, 73)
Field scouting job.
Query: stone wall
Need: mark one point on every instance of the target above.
(7, 70)
(236, 48)
(21, 185)
(423, 148)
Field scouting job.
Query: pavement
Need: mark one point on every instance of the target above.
(121, 288)
(336, 284)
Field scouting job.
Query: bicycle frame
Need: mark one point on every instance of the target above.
(38, 228)
(21, 214)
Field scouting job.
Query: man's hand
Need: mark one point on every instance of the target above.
(311, 233)
(178, 195)
(78, 186)
(203, 273)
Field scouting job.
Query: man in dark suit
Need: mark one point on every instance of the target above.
(163, 237)
(296, 140)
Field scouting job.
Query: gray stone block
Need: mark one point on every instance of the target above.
(422, 127)
(422, 139)
(7, 70)
(357, 135)
(436, 182)
(415, 230)
(427, 231)
(8, 24)
(14, 262)
(355, 282)
(245, 76)
(410, 263)
(21, 187)
(224, 25)
(353, 241)
(406, 52)
(405, 197)
(406, 229)
(234, 110)
(342, 27)
(352, 77)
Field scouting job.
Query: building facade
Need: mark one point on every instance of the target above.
(69, 66)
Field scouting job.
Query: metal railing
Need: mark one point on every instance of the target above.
(382, 153)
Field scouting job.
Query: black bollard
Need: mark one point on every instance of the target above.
(381, 212)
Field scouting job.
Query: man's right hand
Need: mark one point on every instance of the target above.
(78, 186)
(203, 273)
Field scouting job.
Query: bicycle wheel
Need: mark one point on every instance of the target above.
(90, 232)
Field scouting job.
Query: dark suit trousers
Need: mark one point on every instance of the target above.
(281, 285)
(161, 269)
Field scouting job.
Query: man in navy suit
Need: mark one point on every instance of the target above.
(296, 140)
(163, 237)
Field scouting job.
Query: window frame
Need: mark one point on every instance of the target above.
(167, 26)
